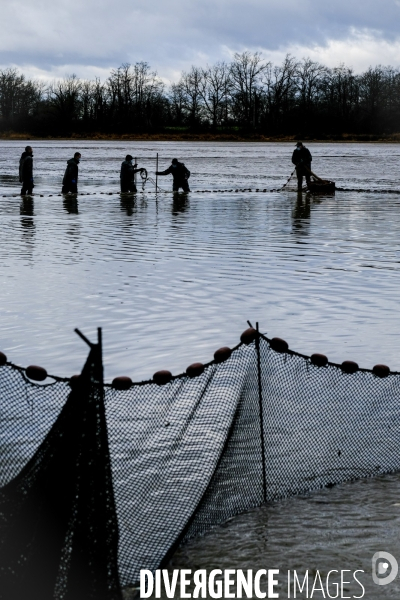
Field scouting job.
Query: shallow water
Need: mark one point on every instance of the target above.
(171, 280)
(340, 529)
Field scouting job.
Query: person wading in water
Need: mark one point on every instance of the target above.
(70, 179)
(26, 171)
(180, 174)
(127, 172)
(302, 158)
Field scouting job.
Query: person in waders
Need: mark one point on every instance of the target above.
(180, 174)
(128, 170)
(70, 179)
(302, 159)
(26, 171)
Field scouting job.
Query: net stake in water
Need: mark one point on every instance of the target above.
(156, 173)
(261, 410)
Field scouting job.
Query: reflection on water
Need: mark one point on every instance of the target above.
(170, 278)
(27, 206)
(128, 204)
(301, 214)
(144, 263)
(27, 226)
(70, 203)
(180, 203)
(10, 180)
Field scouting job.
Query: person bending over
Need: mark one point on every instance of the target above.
(70, 179)
(128, 170)
(26, 171)
(180, 174)
(302, 159)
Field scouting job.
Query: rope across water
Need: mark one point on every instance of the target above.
(213, 191)
(158, 190)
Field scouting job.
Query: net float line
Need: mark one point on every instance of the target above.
(39, 374)
(214, 191)
(177, 455)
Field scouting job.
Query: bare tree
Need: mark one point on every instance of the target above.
(245, 76)
(310, 78)
(390, 100)
(341, 92)
(177, 100)
(65, 101)
(99, 101)
(280, 86)
(215, 89)
(18, 96)
(289, 98)
(191, 84)
(120, 88)
(135, 91)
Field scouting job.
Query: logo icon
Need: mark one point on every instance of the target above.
(384, 568)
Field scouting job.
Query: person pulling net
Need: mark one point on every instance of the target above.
(302, 158)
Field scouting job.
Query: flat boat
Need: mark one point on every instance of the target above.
(321, 186)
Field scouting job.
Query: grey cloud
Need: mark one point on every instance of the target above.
(171, 35)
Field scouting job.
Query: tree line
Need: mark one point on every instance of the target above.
(249, 95)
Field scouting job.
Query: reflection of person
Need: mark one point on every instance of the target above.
(180, 204)
(127, 172)
(180, 174)
(71, 204)
(70, 179)
(26, 171)
(301, 215)
(302, 159)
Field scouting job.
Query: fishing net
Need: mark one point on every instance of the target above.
(264, 424)
(58, 526)
(144, 178)
(291, 184)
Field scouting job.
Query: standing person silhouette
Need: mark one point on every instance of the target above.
(180, 174)
(26, 171)
(70, 179)
(302, 158)
(128, 170)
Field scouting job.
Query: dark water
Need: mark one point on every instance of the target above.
(340, 529)
(171, 280)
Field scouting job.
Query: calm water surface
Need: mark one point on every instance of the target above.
(172, 279)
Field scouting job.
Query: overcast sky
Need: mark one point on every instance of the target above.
(54, 38)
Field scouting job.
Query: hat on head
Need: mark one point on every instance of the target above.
(128, 157)
(174, 161)
(299, 144)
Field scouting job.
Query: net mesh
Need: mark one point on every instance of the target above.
(188, 455)
(291, 184)
(58, 525)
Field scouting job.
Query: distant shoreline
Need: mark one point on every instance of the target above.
(206, 137)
